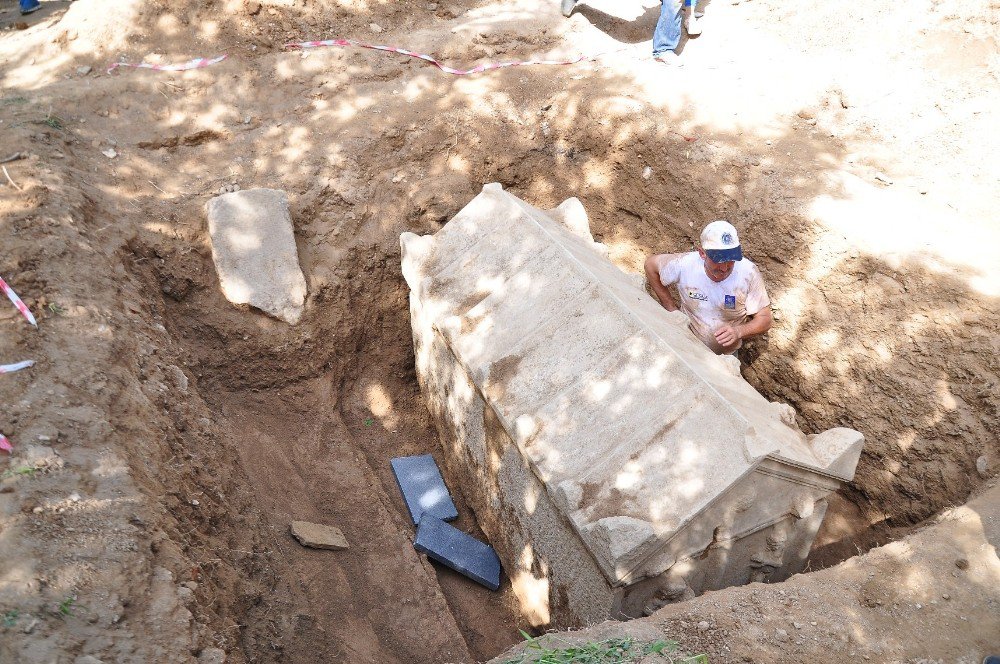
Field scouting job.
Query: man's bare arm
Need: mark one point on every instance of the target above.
(729, 335)
(662, 293)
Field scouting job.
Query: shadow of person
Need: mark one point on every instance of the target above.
(638, 30)
(619, 29)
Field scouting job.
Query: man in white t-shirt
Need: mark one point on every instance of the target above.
(721, 292)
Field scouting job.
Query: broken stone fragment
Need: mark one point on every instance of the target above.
(253, 246)
(318, 536)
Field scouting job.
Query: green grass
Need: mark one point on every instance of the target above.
(6, 101)
(10, 618)
(53, 121)
(66, 606)
(608, 651)
(24, 470)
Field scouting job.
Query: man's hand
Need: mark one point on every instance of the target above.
(728, 335)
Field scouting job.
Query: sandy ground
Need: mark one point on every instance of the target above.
(166, 438)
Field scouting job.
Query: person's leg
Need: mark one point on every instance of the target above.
(693, 24)
(667, 35)
(28, 6)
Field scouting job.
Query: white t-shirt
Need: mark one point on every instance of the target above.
(709, 304)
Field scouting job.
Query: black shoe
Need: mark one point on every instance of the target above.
(567, 7)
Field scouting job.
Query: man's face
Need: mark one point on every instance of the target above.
(716, 271)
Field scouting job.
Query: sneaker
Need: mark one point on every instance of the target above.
(567, 7)
(668, 58)
(694, 25)
(34, 8)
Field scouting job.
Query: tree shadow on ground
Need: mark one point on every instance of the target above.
(371, 145)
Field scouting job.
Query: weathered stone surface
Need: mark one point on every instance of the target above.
(253, 246)
(613, 460)
(318, 536)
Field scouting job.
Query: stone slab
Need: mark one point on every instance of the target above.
(461, 552)
(318, 536)
(423, 488)
(253, 246)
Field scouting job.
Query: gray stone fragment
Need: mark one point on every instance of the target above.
(212, 656)
(982, 467)
(318, 536)
(253, 246)
(87, 659)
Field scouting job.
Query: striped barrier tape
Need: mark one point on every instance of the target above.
(448, 70)
(17, 302)
(17, 366)
(197, 63)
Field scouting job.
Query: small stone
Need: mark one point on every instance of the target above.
(30, 627)
(882, 177)
(811, 122)
(74, 497)
(545, 129)
(647, 173)
(945, 596)
(767, 142)
(212, 656)
(37, 509)
(375, 27)
(318, 536)
(398, 177)
(84, 70)
(962, 563)
(87, 659)
(781, 636)
(195, 503)
(981, 466)
(110, 153)
(797, 625)
(433, 6)
(702, 626)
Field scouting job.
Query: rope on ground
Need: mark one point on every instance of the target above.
(487, 66)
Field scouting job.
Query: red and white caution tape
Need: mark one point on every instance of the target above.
(17, 302)
(17, 366)
(5, 444)
(448, 70)
(197, 63)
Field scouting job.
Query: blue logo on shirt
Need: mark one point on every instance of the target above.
(730, 302)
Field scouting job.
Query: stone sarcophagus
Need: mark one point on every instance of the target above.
(615, 463)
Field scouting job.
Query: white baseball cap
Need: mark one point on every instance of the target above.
(721, 243)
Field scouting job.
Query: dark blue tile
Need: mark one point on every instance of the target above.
(463, 553)
(423, 488)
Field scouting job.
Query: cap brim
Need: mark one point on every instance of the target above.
(725, 255)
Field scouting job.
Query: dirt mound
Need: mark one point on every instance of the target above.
(166, 438)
